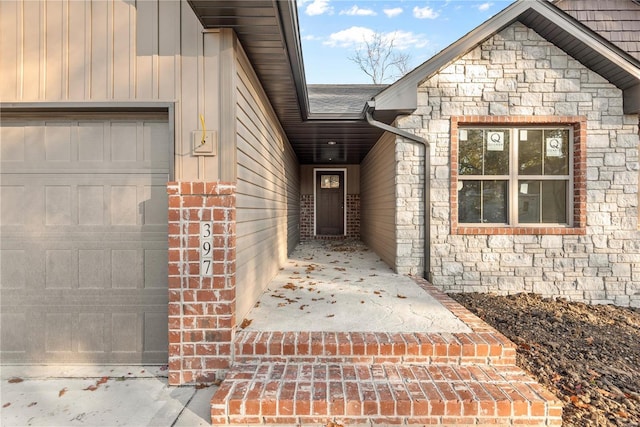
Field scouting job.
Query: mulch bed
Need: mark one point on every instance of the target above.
(588, 355)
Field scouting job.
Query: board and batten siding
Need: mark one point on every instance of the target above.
(267, 190)
(116, 51)
(378, 199)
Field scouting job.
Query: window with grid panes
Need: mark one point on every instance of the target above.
(514, 176)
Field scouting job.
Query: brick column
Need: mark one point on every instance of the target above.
(202, 287)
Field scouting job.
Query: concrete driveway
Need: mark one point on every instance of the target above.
(99, 396)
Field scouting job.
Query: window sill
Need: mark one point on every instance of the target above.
(508, 231)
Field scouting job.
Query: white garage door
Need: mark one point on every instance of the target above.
(83, 246)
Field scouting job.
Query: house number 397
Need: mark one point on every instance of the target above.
(206, 248)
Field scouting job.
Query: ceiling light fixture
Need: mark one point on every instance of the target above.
(331, 143)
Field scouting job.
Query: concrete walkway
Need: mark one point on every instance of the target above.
(99, 396)
(342, 286)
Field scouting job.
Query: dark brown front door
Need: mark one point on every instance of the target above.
(330, 203)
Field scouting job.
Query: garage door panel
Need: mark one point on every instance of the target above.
(58, 332)
(155, 200)
(12, 144)
(13, 334)
(13, 266)
(110, 333)
(91, 205)
(91, 333)
(60, 265)
(83, 246)
(126, 146)
(58, 205)
(91, 146)
(12, 199)
(57, 142)
(123, 141)
(92, 268)
(125, 333)
(155, 135)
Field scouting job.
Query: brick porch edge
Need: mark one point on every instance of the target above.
(201, 304)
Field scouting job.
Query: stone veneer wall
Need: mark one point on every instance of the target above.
(518, 73)
(201, 305)
(306, 217)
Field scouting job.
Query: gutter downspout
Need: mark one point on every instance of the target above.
(369, 109)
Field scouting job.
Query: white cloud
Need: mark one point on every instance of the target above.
(484, 6)
(424, 13)
(357, 11)
(406, 39)
(318, 7)
(392, 12)
(350, 37)
(355, 36)
(311, 37)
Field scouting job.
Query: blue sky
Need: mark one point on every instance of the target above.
(332, 30)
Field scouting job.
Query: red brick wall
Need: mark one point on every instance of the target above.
(353, 216)
(306, 216)
(202, 236)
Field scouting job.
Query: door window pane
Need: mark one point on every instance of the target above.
(330, 181)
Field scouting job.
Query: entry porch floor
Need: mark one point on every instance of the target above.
(342, 286)
(339, 339)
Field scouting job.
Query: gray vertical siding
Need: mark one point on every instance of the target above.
(267, 190)
(115, 51)
(378, 199)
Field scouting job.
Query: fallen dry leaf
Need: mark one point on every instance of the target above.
(589, 340)
(102, 380)
(6, 405)
(577, 402)
(62, 392)
(15, 380)
(401, 296)
(32, 404)
(290, 286)
(330, 315)
(245, 323)
(91, 388)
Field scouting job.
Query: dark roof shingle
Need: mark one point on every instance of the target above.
(616, 20)
(341, 99)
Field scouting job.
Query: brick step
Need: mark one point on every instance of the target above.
(381, 394)
(374, 347)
